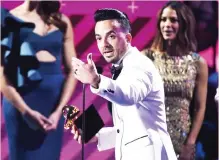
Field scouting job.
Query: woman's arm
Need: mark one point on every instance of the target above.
(69, 52)
(200, 101)
(70, 81)
(11, 94)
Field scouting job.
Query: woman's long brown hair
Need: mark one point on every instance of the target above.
(49, 12)
(185, 41)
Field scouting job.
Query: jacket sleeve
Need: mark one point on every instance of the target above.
(217, 95)
(131, 87)
(106, 138)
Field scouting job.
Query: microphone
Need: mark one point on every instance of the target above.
(70, 112)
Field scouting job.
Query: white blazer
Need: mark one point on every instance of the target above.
(140, 129)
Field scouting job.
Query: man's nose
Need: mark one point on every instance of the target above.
(104, 43)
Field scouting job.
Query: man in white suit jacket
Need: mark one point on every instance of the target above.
(140, 130)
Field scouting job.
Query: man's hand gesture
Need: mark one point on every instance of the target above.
(86, 72)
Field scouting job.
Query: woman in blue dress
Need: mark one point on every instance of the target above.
(33, 105)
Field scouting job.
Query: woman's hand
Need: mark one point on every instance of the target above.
(54, 118)
(187, 152)
(35, 119)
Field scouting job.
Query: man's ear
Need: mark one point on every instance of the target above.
(128, 37)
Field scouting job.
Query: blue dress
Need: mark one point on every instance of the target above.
(25, 142)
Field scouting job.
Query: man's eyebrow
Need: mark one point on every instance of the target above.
(111, 31)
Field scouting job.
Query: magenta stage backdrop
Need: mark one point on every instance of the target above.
(142, 15)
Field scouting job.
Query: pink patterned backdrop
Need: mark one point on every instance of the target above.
(143, 21)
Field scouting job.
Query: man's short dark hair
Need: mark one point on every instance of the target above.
(110, 13)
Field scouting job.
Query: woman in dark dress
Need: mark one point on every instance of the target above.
(33, 105)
